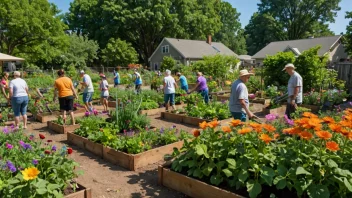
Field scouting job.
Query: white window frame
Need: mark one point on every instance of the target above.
(165, 49)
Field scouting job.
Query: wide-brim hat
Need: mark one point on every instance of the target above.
(245, 73)
(290, 65)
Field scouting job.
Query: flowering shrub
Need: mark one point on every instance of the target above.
(311, 158)
(35, 168)
(327, 97)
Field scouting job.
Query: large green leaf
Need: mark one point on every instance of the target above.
(216, 179)
(347, 184)
(318, 191)
(231, 162)
(253, 188)
(267, 174)
(280, 182)
(301, 171)
(332, 163)
(243, 176)
(281, 170)
(227, 172)
(41, 191)
(207, 169)
(201, 149)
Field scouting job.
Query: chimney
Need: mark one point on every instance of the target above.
(209, 39)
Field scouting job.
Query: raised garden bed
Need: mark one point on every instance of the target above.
(82, 192)
(220, 92)
(45, 117)
(280, 110)
(313, 108)
(182, 118)
(129, 161)
(61, 128)
(222, 97)
(189, 186)
(263, 101)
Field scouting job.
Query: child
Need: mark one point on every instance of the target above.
(104, 88)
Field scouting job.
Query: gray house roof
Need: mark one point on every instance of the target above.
(298, 46)
(197, 49)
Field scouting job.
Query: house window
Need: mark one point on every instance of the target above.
(165, 49)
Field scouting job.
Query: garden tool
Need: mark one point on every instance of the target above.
(256, 119)
(279, 99)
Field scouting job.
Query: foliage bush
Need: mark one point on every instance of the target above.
(119, 53)
(168, 63)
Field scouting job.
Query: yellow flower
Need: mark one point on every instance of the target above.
(30, 173)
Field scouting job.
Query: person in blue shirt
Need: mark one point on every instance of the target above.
(137, 81)
(116, 78)
(183, 81)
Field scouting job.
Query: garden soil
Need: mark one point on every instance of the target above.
(111, 181)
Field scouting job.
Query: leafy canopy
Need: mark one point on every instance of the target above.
(119, 52)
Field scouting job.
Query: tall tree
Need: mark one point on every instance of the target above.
(31, 29)
(231, 33)
(119, 53)
(348, 35)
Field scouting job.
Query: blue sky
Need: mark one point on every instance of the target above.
(248, 7)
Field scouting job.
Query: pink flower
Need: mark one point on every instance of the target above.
(251, 96)
(9, 146)
(271, 117)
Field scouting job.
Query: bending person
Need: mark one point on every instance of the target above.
(19, 98)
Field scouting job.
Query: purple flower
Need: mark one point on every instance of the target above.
(35, 162)
(21, 143)
(5, 130)
(87, 114)
(350, 103)
(288, 121)
(95, 112)
(53, 148)
(270, 117)
(27, 146)
(173, 126)
(12, 126)
(162, 130)
(9, 146)
(10, 166)
(31, 137)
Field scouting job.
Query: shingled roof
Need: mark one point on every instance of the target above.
(298, 45)
(197, 49)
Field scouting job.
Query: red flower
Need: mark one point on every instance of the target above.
(41, 136)
(49, 141)
(47, 152)
(69, 150)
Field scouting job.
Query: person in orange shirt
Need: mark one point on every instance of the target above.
(5, 85)
(64, 86)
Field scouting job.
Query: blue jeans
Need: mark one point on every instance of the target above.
(169, 97)
(87, 97)
(19, 105)
(239, 116)
(205, 94)
(185, 88)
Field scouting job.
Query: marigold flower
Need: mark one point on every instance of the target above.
(346, 123)
(328, 120)
(332, 146)
(244, 130)
(265, 138)
(292, 131)
(226, 129)
(306, 135)
(236, 123)
(276, 135)
(257, 127)
(309, 115)
(335, 127)
(269, 128)
(196, 133)
(323, 135)
(213, 124)
(203, 125)
(30, 173)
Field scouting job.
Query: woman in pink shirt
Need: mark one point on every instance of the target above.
(202, 87)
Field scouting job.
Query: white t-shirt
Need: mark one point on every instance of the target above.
(18, 87)
(88, 81)
(169, 85)
(295, 81)
(104, 88)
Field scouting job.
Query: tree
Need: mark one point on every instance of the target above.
(119, 52)
(348, 35)
(31, 29)
(168, 63)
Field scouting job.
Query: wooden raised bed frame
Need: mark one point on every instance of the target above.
(280, 110)
(149, 112)
(313, 108)
(189, 186)
(129, 161)
(52, 116)
(61, 128)
(181, 118)
(84, 193)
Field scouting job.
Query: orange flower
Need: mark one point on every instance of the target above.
(244, 130)
(306, 135)
(269, 128)
(235, 123)
(349, 135)
(323, 135)
(213, 124)
(203, 125)
(276, 135)
(329, 120)
(196, 133)
(292, 131)
(309, 115)
(348, 117)
(332, 146)
(335, 127)
(226, 129)
(257, 127)
(346, 123)
(265, 138)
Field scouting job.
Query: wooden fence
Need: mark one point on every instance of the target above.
(344, 73)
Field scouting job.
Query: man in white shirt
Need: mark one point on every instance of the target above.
(88, 91)
(169, 90)
(294, 88)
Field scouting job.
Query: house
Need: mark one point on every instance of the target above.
(245, 61)
(186, 51)
(331, 45)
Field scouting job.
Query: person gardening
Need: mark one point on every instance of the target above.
(137, 81)
(202, 87)
(294, 88)
(183, 82)
(169, 90)
(116, 78)
(239, 102)
(67, 93)
(5, 85)
(87, 92)
(18, 90)
(104, 95)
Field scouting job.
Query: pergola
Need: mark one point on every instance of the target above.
(5, 57)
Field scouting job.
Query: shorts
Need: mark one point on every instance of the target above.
(169, 97)
(19, 105)
(87, 97)
(138, 87)
(185, 88)
(66, 103)
(239, 116)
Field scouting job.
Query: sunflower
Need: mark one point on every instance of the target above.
(323, 135)
(196, 133)
(269, 128)
(306, 135)
(332, 146)
(235, 123)
(226, 129)
(30, 173)
(265, 138)
(203, 125)
(244, 130)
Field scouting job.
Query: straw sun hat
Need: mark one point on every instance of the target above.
(245, 73)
